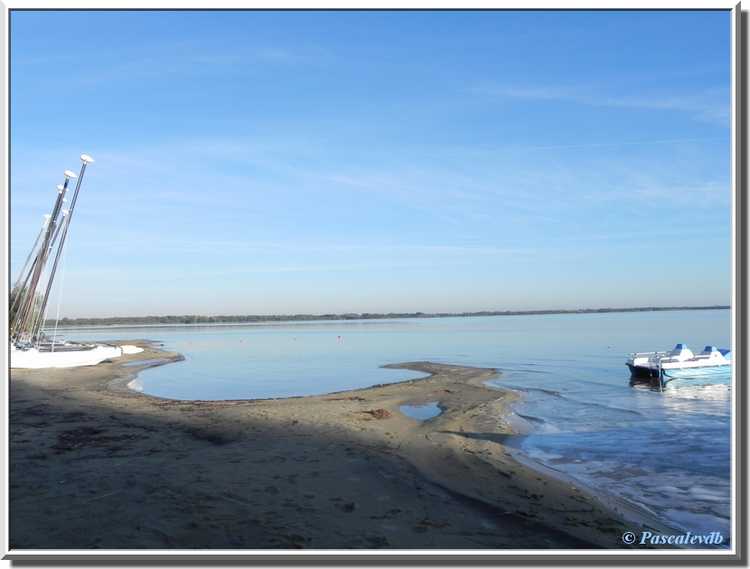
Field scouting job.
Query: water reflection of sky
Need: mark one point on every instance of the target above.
(422, 412)
(668, 451)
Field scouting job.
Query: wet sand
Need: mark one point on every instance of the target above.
(95, 464)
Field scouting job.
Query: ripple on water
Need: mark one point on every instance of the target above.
(669, 452)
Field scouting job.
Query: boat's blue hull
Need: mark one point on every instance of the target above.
(716, 375)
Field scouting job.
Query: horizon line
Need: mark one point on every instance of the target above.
(186, 319)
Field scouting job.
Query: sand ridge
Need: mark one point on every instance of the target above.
(95, 464)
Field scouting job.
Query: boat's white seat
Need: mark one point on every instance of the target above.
(712, 353)
(681, 352)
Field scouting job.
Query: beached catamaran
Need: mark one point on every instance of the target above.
(30, 345)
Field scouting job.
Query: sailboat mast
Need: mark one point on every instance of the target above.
(26, 313)
(19, 288)
(26, 267)
(85, 161)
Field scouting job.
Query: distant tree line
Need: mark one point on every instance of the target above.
(250, 318)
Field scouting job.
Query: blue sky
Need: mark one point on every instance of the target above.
(265, 162)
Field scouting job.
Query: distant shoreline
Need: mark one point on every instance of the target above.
(187, 320)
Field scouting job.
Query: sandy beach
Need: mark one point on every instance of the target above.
(96, 464)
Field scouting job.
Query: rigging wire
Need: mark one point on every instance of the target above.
(37, 322)
(60, 293)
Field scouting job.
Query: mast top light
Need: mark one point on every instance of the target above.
(86, 158)
(69, 174)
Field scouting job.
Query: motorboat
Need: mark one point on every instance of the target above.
(712, 365)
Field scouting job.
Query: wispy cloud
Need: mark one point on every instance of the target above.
(173, 61)
(711, 105)
(694, 193)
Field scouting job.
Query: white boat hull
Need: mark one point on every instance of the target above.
(682, 366)
(35, 359)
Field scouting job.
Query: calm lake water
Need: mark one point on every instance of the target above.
(668, 452)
